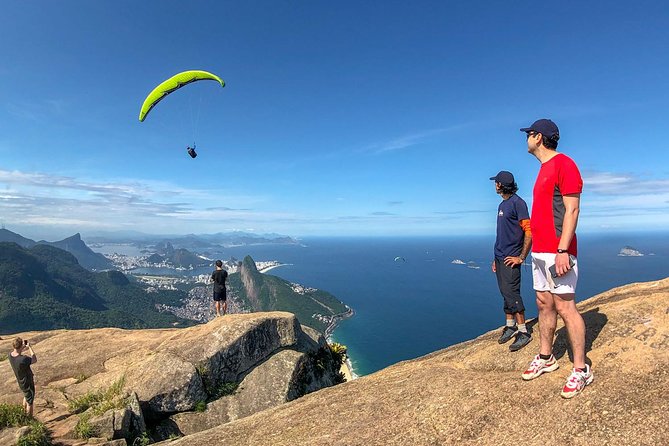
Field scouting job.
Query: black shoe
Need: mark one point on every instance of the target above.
(522, 339)
(507, 334)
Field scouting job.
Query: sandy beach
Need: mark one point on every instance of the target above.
(347, 370)
(269, 268)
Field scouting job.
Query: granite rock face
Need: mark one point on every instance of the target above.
(267, 357)
(473, 394)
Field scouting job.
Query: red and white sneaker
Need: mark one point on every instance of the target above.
(577, 382)
(539, 366)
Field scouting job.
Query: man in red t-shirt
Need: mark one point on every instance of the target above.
(555, 209)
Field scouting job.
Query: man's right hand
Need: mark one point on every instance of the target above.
(494, 268)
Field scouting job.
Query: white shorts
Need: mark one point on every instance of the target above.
(543, 281)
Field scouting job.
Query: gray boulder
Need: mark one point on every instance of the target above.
(113, 424)
(285, 376)
(166, 383)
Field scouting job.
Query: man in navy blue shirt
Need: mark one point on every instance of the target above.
(512, 245)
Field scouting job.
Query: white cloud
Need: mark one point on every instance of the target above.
(34, 199)
(411, 140)
(624, 184)
(624, 200)
(37, 111)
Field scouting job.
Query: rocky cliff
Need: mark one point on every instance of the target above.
(468, 394)
(114, 384)
(472, 393)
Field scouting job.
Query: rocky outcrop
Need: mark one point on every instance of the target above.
(472, 393)
(249, 276)
(267, 357)
(11, 435)
(287, 375)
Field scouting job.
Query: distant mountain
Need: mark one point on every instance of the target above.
(263, 292)
(197, 242)
(85, 255)
(179, 257)
(244, 238)
(9, 236)
(74, 245)
(44, 287)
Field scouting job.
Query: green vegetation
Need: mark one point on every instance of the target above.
(80, 378)
(323, 358)
(100, 401)
(83, 429)
(338, 351)
(276, 294)
(142, 440)
(339, 378)
(225, 389)
(37, 436)
(202, 370)
(44, 288)
(3, 357)
(200, 406)
(13, 415)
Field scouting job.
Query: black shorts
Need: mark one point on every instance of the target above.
(219, 296)
(508, 280)
(29, 393)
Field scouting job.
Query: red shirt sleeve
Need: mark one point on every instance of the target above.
(569, 177)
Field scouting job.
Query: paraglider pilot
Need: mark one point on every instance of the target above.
(191, 151)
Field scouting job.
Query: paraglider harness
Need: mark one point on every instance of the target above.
(191, 151)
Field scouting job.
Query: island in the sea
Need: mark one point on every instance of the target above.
(628, 251)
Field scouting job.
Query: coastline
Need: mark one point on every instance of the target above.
(347, 366)
(347, 370)
(269, 268)
(335, 321)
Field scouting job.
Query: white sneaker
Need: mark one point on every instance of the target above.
(539, 366)
(577, 382)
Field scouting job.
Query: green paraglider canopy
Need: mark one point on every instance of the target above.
(172, 84)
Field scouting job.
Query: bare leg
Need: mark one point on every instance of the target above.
(547, 321)
(520, 317)
(218, 308)
(573, 321)
(225, 307)
(27, 408)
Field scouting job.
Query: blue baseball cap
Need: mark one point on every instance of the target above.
(504, 178)
(544, 126)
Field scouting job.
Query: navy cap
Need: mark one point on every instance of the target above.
(544, 126)
(505, 178)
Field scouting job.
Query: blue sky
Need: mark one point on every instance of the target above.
(338, 118)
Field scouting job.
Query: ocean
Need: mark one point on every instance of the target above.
(423, 302)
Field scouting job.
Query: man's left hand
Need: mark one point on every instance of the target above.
(512, 261)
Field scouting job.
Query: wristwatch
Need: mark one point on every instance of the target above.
(562, 251)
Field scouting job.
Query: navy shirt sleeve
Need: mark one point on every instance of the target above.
(521, 210)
